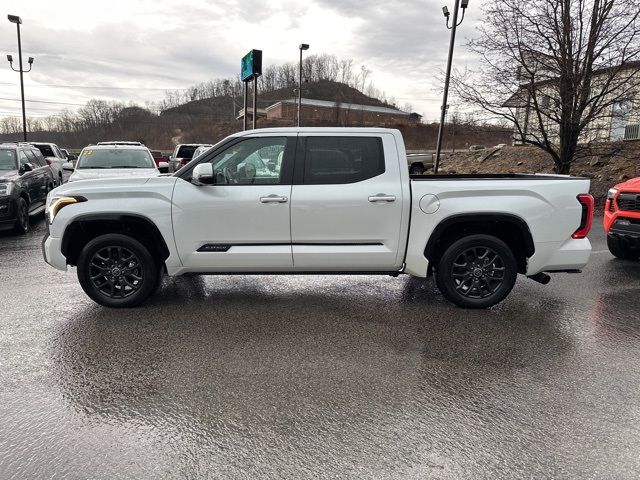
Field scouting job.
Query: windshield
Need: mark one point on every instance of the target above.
(46, 150)
(7, 159)
(115, 158)
(186, 151)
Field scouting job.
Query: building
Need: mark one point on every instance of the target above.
(620, 122)
(262, 113)
(342, 114)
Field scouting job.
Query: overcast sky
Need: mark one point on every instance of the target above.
(136, 49)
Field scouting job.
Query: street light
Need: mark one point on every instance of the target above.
(303, 46)
(445, 11)
(18, 21)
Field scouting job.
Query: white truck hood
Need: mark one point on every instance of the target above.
(95, 174)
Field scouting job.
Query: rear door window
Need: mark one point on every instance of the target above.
(335, 160)
(32, 159)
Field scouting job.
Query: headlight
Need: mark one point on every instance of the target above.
(611, 193)
(56, 203)
(5, 188)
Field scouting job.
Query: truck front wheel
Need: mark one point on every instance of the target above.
(477, 271)
(618, 250)
(117, 271)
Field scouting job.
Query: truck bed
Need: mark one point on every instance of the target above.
(493, 176)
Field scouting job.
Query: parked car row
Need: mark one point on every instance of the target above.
(25, 180)
(28, 171)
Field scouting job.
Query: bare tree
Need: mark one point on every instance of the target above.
(556, 69)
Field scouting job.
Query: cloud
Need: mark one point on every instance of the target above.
(149, 44)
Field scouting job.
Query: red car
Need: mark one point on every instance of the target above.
(622, 219)
(158, 157)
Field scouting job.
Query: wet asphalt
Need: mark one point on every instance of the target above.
(318, 377)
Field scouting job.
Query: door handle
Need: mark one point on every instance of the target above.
(381, 197)
(273, 199)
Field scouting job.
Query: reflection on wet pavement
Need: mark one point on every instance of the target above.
(318, 376)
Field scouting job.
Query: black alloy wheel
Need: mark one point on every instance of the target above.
(477, 271)
(22, 217)
(117, 271)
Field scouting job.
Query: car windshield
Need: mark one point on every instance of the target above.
(46, 150)
(8, 159)
(156, 153)
(115, 158)
(186, 151)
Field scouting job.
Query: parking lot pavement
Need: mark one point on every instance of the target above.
(318, 376)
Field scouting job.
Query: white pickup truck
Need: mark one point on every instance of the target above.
(317, 201)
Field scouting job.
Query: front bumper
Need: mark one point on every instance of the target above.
(627, 231)
(51, 251)
(7, 213)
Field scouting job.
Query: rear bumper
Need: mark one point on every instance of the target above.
(51, 251)
(571, 255)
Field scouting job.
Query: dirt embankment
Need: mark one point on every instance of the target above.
(606, 165)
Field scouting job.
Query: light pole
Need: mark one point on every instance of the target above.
(17, 20)
(303, 46)
(458, 3)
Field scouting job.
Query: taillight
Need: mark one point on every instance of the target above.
(586, 220)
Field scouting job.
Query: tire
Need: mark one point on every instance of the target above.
(618, 250)
(22, 217)
(416, 169)
(465, 278)
(117, 271)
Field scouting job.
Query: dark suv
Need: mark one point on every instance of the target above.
(25, 180)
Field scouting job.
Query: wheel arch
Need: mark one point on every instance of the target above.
(511, 229)
(85, 228)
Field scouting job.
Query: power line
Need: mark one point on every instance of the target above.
(42, 101)
(94, 87)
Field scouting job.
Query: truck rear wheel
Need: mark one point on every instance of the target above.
(117, 271)
(618, 250)
(477, 271)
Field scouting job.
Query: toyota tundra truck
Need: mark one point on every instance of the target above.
(622, 220)
(317, 201)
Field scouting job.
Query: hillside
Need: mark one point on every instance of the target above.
(225, 108)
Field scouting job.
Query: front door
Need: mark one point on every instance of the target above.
(242, 222)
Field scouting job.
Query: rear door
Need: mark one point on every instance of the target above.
(29, 179)
(346, 203)
(39, 178)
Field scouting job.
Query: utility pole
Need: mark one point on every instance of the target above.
(18, 21)
(303, 46)
(443, 108)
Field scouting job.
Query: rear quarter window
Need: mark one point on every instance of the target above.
(335, 160)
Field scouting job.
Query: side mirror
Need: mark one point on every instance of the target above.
(67, 167)
(170, 157)
(203, 175)
(26, 167)
(163, 167)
